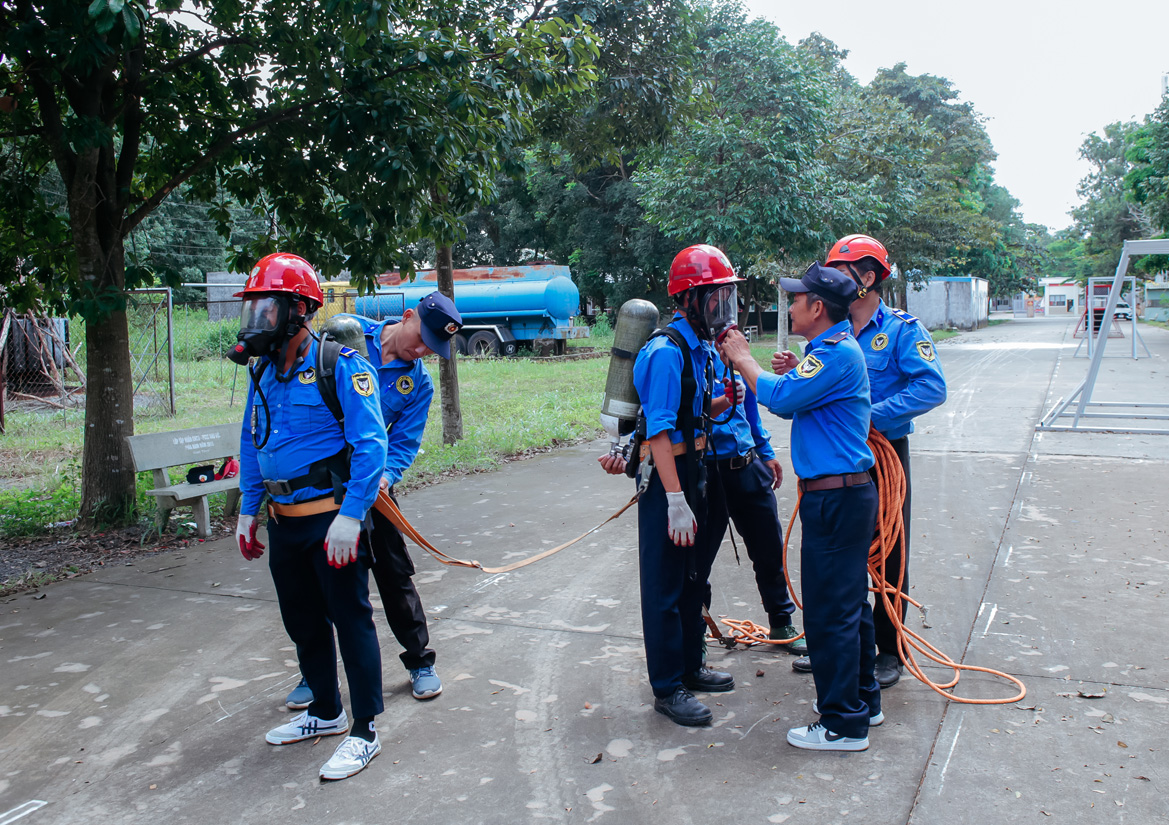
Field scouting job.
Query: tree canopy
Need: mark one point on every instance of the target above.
(358, 126)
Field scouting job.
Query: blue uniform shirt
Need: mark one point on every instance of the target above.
(657, 375)
(744, 430)
(905, 377)
(827, 399)
(406, 389)
(303, 431)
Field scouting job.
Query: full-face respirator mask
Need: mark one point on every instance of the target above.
(714, 311)
(267, 323)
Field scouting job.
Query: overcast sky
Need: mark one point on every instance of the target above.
(1045, 74)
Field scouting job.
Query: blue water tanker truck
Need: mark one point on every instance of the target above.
(504, 308)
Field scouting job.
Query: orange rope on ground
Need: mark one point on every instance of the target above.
(889, 538)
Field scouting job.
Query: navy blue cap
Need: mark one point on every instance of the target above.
(440, 321)
(830, 284)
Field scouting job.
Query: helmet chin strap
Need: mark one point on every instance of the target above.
(862, 290)
(695, 317)
(296, 323)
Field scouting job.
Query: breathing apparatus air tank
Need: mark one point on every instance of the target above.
(636, 320)
(348, 332)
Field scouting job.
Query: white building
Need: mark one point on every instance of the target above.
(1061, 296)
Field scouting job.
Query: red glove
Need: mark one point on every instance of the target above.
(734, 391)
(245, 536)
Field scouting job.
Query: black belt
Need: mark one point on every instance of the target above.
(737, 462)
(331, 472)
(834, 482)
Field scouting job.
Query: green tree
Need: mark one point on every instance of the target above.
(340, 118)
(1147, 181)
(945, 221)
(749, 173)
(575, 203)
(1107, 218)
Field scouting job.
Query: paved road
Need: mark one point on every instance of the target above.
(142, 694)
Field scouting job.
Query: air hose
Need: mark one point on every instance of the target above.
(889, 538)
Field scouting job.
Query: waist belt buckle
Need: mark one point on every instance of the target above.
(280, 487)
(740, 461)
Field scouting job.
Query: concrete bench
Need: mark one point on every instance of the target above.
(199, 445)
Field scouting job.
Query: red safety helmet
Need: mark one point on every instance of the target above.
(852, 248)
(282, 272)
(700, 265)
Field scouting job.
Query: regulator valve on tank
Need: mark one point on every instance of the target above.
(636, 320)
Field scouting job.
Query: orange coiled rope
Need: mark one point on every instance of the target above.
(889, 539)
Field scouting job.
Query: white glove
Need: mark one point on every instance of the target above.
(341, 540)
(245, 537)
(682, 525)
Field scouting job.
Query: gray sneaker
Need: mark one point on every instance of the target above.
(816, 737)
(301, 696)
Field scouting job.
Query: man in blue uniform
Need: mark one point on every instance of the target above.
(322, 479)
(826, 395)
(405, 388)
(905, 381)
(673, 377)
(744, 473)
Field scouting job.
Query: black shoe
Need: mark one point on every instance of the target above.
(683, 708)
(705, 680)
(802, 664)
(887, 669)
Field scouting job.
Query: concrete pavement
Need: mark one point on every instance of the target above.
(142, 694)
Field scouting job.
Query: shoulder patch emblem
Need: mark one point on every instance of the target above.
(363, 383)
(309, 376)
(880, 341)
(809, 367)
(926, 350)
(404, 384)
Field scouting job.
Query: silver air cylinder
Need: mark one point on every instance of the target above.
(635, 322)
(348, 332)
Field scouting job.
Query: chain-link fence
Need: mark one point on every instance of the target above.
(177, 358)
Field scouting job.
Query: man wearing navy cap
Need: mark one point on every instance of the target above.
(395, 349)
(826, 396)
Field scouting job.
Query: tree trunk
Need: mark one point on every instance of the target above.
(108, 484)
(108, 488)
(448, 369)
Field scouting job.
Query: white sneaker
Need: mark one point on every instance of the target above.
(351, 757)
(874, 721)
(302, 726)
(816, 737)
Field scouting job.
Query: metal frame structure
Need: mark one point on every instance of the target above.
(1089, 310)
(1081, 397)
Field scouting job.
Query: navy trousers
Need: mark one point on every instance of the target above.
(392, 570)
(315, 598)
(886, 633)
(837, 531)
(671, 601)
(746, 497)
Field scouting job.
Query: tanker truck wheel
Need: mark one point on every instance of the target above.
(459, 341)
(483, 343)
(509, 348)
